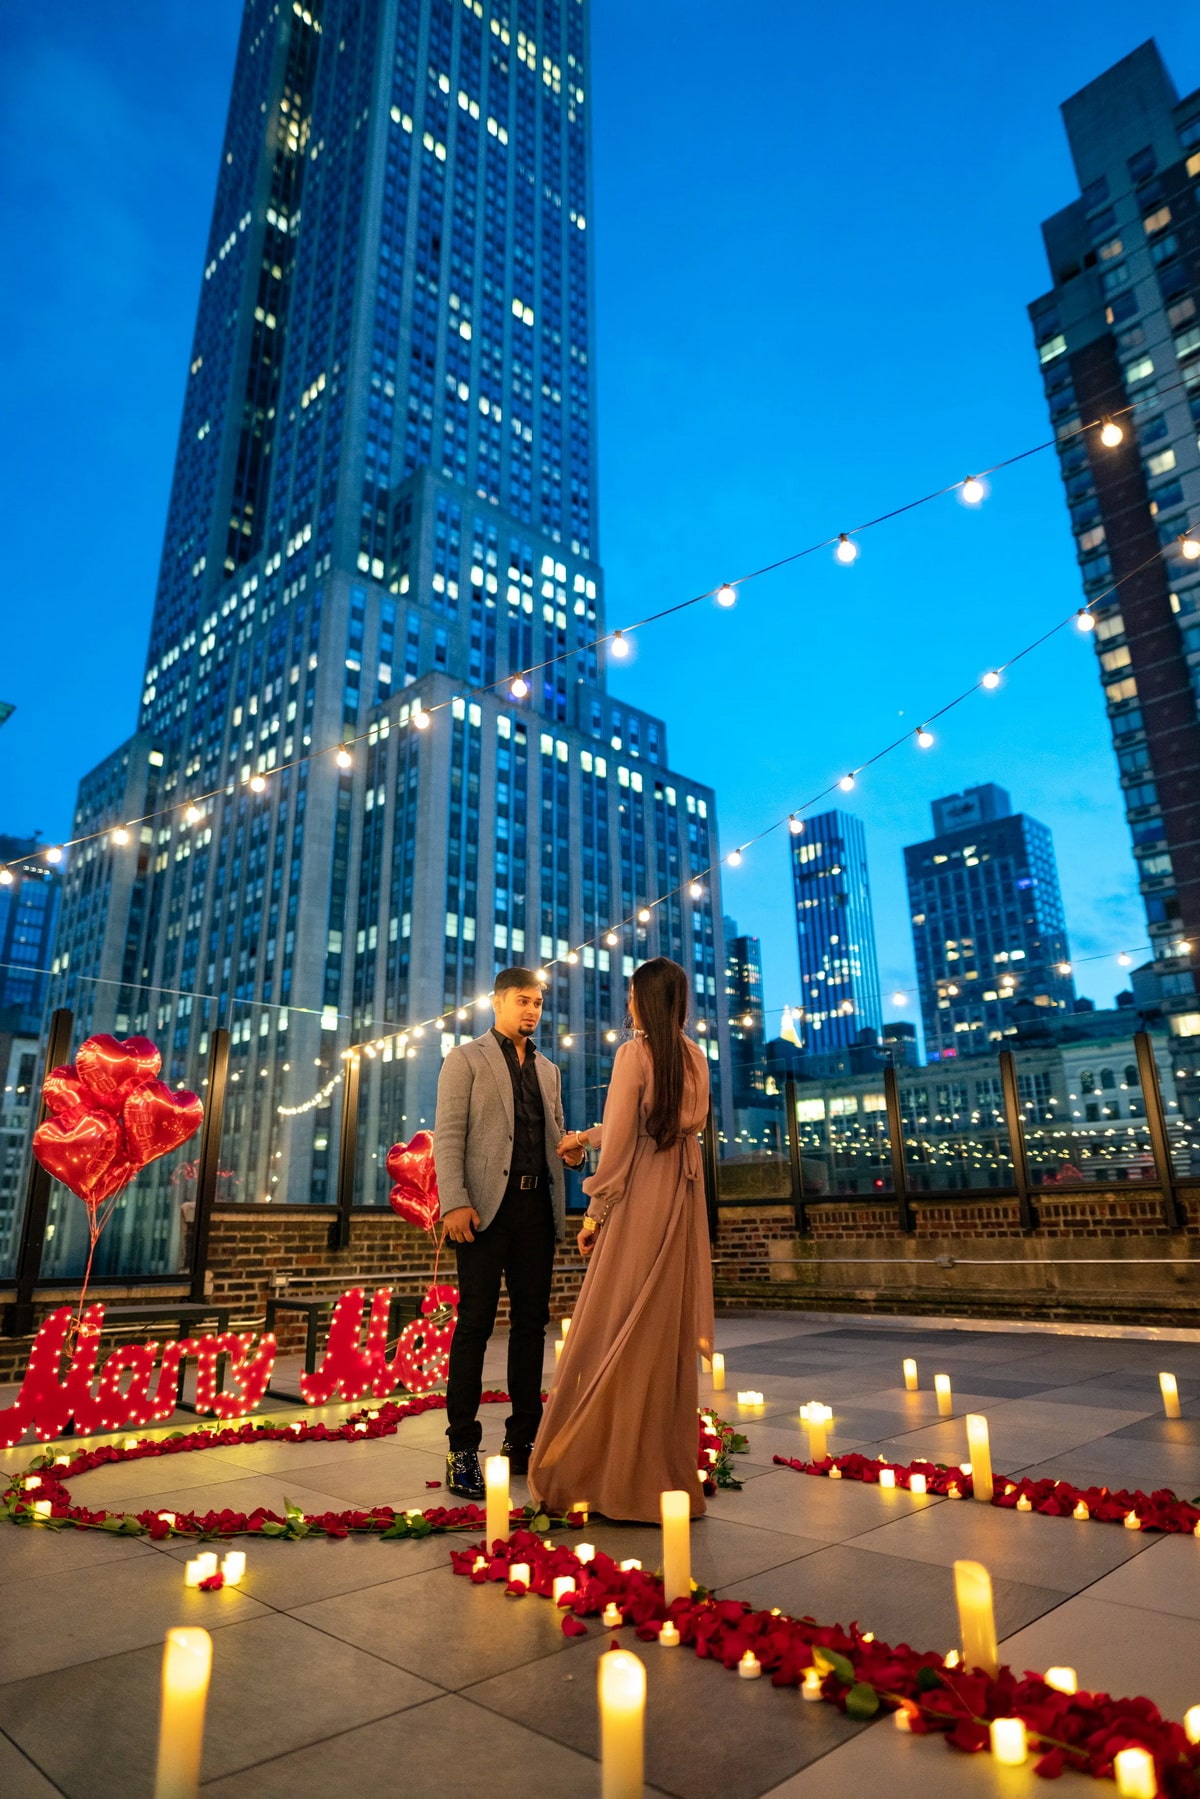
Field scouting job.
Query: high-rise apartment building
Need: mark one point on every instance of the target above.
(747, 1034)
(835, 933)
(382, 532)
(987, 922)
(29, 901)
(1118, 336)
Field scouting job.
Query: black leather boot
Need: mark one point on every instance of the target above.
(518, 1456)
(463, 1474)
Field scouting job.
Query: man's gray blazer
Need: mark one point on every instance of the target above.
(473, 1130)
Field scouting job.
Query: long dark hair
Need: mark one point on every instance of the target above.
(660, 990)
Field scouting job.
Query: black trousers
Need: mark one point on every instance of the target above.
(518, 1246)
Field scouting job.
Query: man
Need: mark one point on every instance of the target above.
(502, 1188)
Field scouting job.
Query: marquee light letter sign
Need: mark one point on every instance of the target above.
(136, 1385)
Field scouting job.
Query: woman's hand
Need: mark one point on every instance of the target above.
(587, 1242)
(572, 1147)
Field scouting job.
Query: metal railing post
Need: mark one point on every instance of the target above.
(891, 1094)
(339, 1230)
(708, 1150)
(208, 1161)
(1016, 1139)
(19, 1322)
(1156, 1122)
(795, 1160)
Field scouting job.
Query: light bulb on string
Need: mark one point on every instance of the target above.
(120, 835)
(543, 975)
(644, 915)
(6, 877)
(258, 784)
(734, 858)
(612, 939)
(696, 891)
(54, 854)
(991, 680)
(795, 825)
(572, 957)
(1084, 620)
(619, 646)
(726, 594)
(420, 717)
(973, 490)
(925, 737)
(1064, 968)
(847, 783)
(1111, 434)
(1190, 547)
(846, 551)
(899, 999)
(1124, 960)
(344, 759)
(567, 1041)
(193, 815)
(519, 688)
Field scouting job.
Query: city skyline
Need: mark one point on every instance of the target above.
(1066, 777)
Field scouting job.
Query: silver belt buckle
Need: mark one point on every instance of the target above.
(529, 1182)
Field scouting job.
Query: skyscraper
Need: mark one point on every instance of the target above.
(382, 532)
(29, 900)
(1119, 334)
(987, 921)
(835, 933)
(744, 998)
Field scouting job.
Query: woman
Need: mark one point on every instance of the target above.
(620, 1424)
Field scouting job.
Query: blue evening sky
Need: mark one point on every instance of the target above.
(815, 231)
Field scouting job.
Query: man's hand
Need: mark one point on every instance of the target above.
(587, 1243)
(461, 1224)
(573, 1152)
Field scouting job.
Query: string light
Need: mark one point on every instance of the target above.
(420, 717)
(6, 877)
(795, 825)
(696, 891)
(519, 688)
(1111, 434)
(258, 784)
(1064, 968)
(344, 759)
(618, 647)
(846, 551)
(572, 957)
(973, 490)
(54, 854)
(925, 737)
(568, 1042)
(193, 815)
(847, 783)
(899, 999)
(726, 594)
(1084, 620)
(1190, 547)
(734, 858)
(991, 680)
(1124, 959)
(612, 939)
(644, 915)
(120, 835)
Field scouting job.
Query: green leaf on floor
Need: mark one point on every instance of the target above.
(540, 1523)
(862, 1701)
(830, 1662)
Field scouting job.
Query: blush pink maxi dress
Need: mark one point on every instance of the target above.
(620, 1424)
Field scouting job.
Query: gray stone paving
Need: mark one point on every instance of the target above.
(367, 1668)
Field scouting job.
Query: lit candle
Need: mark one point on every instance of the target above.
(1191, 1723)
(132, 1442)
(910, 1383)
(611, 1617)
(917, 1483)
(187, 1663)
(1008, 1741)
(668, 1635)
(1063, 1680)
(1169, 1387)
(976, 1619)
(952, 1659)
(41, 1508)
(816, 1417)
(1024, 1503)
(31, 1481)
(580, 1506)
(1132, 1521)
(677, 1549)
(621, 1680)
(167, 1518)
(954, 1491)
(627, 1566)
(749, 1667)
(584, 1552)
(518, 1573)
(902, 1718)
(201, 1567)
(563, 1585)
(945, 1400)
(749, 1397)
(887, 1477)
(981, 1455)
(479, 1564)
(566, 1328)
(718, 1373)
(835, 1473)
(233, 1567)
(1134, 1770)
(496, 1481)
(811, 1688)
(1081, 1511)
(558, 1348)
(705, 1365)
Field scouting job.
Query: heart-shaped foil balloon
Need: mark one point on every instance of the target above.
(414, 1197)
(158, 1120)
(111, 1070)
(63, 1091)
(83, 1150)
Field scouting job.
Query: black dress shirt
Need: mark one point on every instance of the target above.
(529, 1116)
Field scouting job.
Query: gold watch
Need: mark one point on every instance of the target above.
(589, 1225)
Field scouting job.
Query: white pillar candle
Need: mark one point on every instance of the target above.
(705, 1365)
(1063, 1680)
(910, 1375)
(519, 1571)
(1191, 1723)
(677, 1548)
(201, 1567)
(495, 1475)
(233, 1567)
(629, 1565)
(566, 1328)
(1135, 1776)
(976, 1618)
(585, 1552)
(981, 1455)
(945, 1399)
(558, 1348)
(563, 1584)
(621, 1682)
(41, 1508)
(1169, 1387)
(187, 1664)
(917, 1483)
(1008, 1741)
(718, 1373)
(816, 1418)
(887, 1477)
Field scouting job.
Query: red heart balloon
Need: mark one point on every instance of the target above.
(157, 1121)
(415, 1194)
(84, 1151)
(63, 1091)
(111, 1070)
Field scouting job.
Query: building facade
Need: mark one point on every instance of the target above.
(1118, 337)
(835, 934)
(381, 755)
(29, 902)
(744, 999)
(987, 922)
